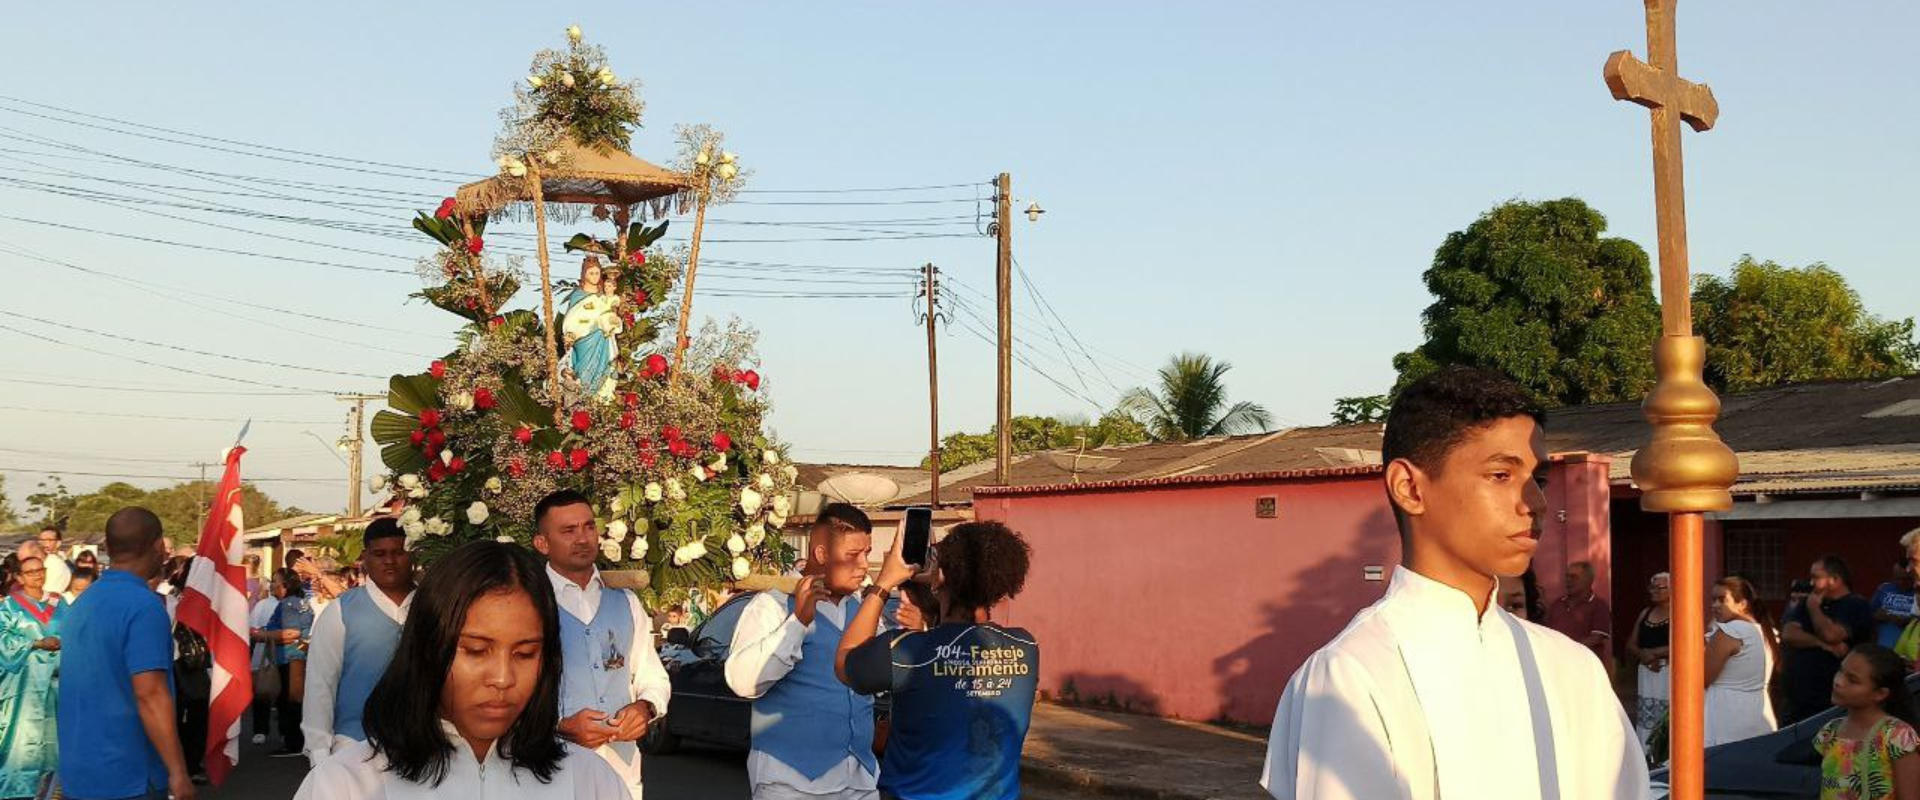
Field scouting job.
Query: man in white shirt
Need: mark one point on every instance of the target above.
(1434, 691)
(612, 685)
(258, 618)
(59, 572)
(812, 736)
(353, 640)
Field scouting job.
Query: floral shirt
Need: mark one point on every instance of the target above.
(1862, 769)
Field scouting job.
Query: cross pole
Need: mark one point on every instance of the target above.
(1685, 470)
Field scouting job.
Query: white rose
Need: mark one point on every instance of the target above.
(374, 485)
(756, 533)
(502, 161)
(566, 78)
(494, 485)
(781, 505)
(792, 472)
(698, 472)
(409, 481)
(697, 549)
(535, 82)
(461, 401)
(418, 492)
(413, 529)
(736, 545)
(639, 548)
(766, 481)
(727, 172)
(436, 526)
(675, 490)
(410, 516)
(740, 568)
(617, 504)
(618, 530)
(446, 457)
(653, 492)
(771, 457)
(720, 464)
(777, 520)
(682, 556)
(726, 157)
(573, 33)
(518, 170)
(503, 539)
(611, 550)
(477, 513)
(750, 501)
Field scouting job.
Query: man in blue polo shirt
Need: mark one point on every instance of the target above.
(116, 715)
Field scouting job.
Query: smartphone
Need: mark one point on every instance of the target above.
(916, 531)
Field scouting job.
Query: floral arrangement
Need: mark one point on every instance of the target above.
(571, 93)
(685, 484)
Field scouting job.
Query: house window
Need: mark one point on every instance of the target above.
(1759, 555)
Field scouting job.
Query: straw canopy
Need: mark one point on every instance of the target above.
(583, 176)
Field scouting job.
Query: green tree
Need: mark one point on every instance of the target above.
(1355, 410)
(1033, 434)
(1534, 291)
(1766, 324)
(52, 502)
(8, 517)
(1191, 402)
(180, 507)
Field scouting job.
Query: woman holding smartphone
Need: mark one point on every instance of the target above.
(470, 706)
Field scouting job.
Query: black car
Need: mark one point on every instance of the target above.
(703, 706)
(1778, 766)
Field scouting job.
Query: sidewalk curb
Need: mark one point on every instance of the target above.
(1035, 772)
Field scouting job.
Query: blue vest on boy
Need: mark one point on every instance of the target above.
(809, 720)
(372, 636)
(595, 672)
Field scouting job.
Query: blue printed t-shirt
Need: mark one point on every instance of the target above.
(962, 699)
(116, 630)
(1891, 598)
(293, 613)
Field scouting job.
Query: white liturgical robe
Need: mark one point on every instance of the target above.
(356, 772)
(1423, 698)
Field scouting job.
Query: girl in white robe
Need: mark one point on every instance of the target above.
(469, 708)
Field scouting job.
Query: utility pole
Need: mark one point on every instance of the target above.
(355, 445)
(200, 497)
(932, 276)
(1003, 284)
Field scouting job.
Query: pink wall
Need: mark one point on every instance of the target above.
(1179, 602)
(1577, 525)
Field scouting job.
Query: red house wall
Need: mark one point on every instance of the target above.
(1179, 602)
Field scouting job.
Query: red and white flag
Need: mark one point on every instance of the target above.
(215, 605)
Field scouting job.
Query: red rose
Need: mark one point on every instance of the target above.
(578, 459)
(557, 460)
(656, 364)
(626, 421)
(517, 468)
(438, 369)
(457, 464)
(445, 210)
(638, 257)
(630, 399)
(626, 318)
(722, 442)
(648, 460)
(437, 438)
(495, 323)
(582, 421)
(722, 374)
(436, 472)
(474, 245)
(751, 380)
(640, 297)
(523, 434)
(671, 432)
(643, 445)
(483, 399)
(417, 437)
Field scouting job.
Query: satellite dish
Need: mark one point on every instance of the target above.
(860, 488)
(1081, 462)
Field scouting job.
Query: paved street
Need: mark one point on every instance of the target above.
(694, 772)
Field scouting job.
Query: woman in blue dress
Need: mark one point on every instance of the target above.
(292, 627)
(29, 675)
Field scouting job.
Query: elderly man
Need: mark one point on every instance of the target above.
(1582, 615)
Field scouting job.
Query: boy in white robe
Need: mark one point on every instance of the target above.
(1434, 691)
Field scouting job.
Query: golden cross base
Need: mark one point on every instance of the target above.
(1685, 468)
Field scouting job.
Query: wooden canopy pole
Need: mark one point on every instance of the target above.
(1685, 470)
(546, 286)
(686, 289)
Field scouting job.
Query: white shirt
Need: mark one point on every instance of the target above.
(1422, 697)
(260, 617)
(350, 775)
(647, 677)
(58, 573)
(325, 651)
(766, 645)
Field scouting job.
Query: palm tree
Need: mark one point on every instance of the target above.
(1192, 402)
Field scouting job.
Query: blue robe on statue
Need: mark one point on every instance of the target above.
(29, 685)
(586, 320)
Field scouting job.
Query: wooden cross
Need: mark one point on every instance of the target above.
(1659, 87)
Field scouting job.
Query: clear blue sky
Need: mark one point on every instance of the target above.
(1264, 182)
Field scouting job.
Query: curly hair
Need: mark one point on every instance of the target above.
(983, 563)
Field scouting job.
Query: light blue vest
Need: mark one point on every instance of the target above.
(372, 636)
(809, 720)
(597, 669)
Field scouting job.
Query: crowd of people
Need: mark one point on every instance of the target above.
(499, 669)
(1429, 694)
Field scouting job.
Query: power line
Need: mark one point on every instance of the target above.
(145, 390)
(49, 340)
(853, 191)
(123, 415)
(194, 351)
(136, 476)
(207, 248)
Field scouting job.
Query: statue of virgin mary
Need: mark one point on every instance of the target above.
(589, 323)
